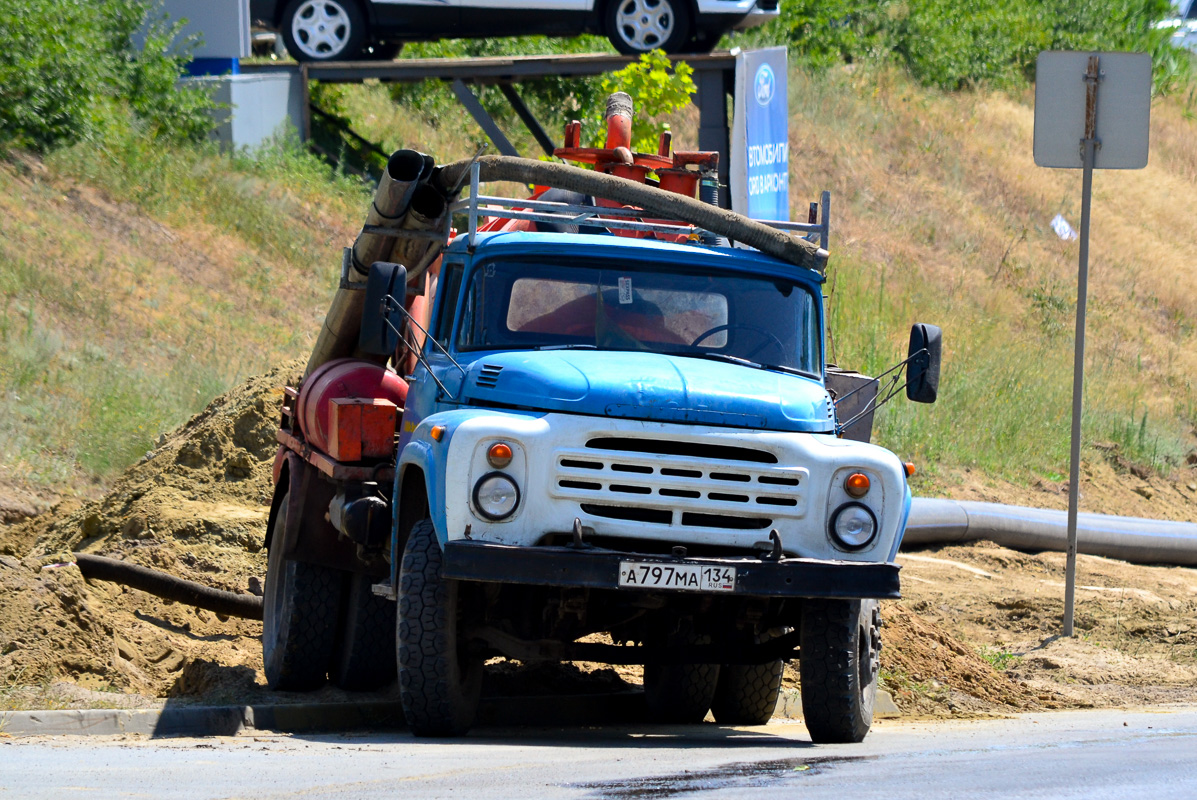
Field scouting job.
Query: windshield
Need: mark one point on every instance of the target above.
(514, 305)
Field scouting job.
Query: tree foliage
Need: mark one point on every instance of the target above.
(953, 45)
(71, 68)
(657, 88)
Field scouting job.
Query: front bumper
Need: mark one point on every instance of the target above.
(597, 568)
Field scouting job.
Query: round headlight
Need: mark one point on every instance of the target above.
(853, 526)
(496, 496)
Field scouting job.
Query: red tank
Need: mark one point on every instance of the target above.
(339, 379)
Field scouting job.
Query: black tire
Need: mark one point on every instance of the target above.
(637, 26)
(324, 30)
(382, 51)
(439, 683)
(747, 693)
(364, 657)
(299, 617)
(839, 648)
(680, 693)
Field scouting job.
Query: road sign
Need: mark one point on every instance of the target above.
(1071, 89)
(1123, 111)
(760, 168)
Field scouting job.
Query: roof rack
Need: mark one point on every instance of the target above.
(481, 205)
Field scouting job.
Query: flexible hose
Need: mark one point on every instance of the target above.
(1141, 541)
(658, 204)
(169, 587)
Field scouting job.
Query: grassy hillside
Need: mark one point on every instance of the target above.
(138, 282)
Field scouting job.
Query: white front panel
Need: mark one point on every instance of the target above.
(669, 483)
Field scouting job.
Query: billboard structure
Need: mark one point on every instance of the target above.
(760, 152)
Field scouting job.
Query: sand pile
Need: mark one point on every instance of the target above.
(195, 507)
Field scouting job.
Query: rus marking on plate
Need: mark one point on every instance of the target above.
(681, 577)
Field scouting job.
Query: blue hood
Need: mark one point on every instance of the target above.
(650, 386)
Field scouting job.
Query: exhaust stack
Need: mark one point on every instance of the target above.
(406, 174)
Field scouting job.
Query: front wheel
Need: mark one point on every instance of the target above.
(323, 30)
(839, 662)
(440, 682)
(637, 26)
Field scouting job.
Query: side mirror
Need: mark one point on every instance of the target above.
(922, 367)
(386, 287)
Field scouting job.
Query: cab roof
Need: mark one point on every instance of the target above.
(569, 247)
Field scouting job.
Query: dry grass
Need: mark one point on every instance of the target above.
(129, 302)
(939, 213)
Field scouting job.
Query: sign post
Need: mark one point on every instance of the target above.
(1064, 81)
(760, 158)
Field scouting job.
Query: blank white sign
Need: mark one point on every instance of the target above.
(1123, 109)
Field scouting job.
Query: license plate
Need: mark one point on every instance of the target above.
(682, 577)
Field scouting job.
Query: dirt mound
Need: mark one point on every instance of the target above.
(928, 671)
(1135, 643)
(195, 507)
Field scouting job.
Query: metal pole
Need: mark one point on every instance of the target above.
(1089, 147)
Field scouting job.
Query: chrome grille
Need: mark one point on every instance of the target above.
(672, 483)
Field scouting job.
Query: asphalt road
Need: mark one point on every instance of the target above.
(1094, 754)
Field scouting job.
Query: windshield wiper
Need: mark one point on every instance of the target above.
(786, 370)
(565, 347)
(744, 362)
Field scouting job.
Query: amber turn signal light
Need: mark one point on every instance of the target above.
(499, 455)
(437, 433)
(857, 484)
(910, 470)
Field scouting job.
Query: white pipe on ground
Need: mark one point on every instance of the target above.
(1142, 541)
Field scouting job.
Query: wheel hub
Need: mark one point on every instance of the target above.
(321, 28)
(645, 24)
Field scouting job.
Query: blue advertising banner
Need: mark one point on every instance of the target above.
(760, 174)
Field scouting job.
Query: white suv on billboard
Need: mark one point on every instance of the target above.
(345, 30)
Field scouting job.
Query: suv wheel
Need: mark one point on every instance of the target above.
(323, 30)
(637, 26)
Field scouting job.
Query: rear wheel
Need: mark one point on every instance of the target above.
(440, 682)
(299, 616)
(637, 26)
(680, 693)
(839, 661)
(747, 693)
(365, 651)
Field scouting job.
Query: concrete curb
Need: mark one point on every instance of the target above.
(315, 717)
(789, 705)
(623, 707)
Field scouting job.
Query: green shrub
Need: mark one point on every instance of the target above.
(657, 88)
(69, 68)
(951, 45)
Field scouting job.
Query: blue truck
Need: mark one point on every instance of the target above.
(616, 439)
